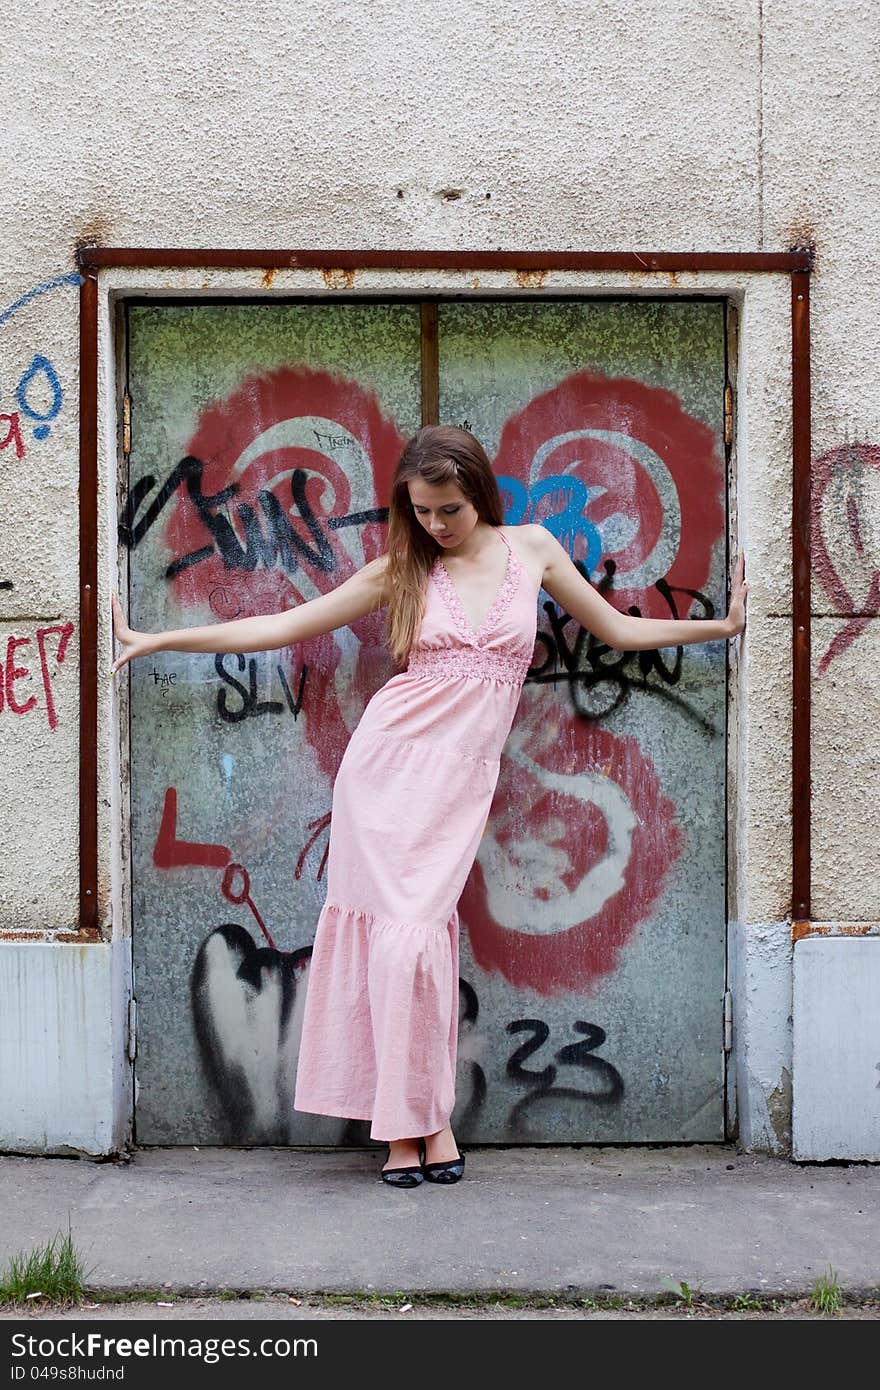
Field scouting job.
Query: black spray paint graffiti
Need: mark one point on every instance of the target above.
(245, 1052)
(609, 1088)
(599, 678)
(279, 543)
(609, 1083)
(244, 1001)
(467, 1027)
(249, 704)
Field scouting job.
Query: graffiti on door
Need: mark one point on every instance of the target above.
(247, 1012)
(276, 501)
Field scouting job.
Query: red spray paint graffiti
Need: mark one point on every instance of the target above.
(171, 853)
(846, 537)
(12, 437)
(576, 853)
(13, 673)
(644, 476)
(581, 839)
(285, 457)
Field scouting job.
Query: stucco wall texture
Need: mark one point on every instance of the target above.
(739, 125)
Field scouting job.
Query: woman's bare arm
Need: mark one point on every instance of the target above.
(622, 631)
(360, 594)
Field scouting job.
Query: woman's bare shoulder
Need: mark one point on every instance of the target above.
(378, 566)
(370, 579)
(529, 532)
(529, 540)
(376, 570)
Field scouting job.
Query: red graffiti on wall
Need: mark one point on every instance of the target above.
(286, 456)
(581, 839)
(169, 852)
(18, 698)
(12, 436)
(623, 462)
(576, 852)
(846, 537)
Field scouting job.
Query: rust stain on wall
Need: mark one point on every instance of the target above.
(268, 276)
(801, 930)
(530, 279)
(801, 235)
(779, 1110)
(338, 279)
(81, 937)
(96, 230)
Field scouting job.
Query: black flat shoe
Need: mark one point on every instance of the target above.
(404, 1177)
(447, 1172)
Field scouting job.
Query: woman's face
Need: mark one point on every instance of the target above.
(443, 510)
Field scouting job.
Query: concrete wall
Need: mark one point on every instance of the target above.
(836, 1085)
(63, 1044)
(723, 125)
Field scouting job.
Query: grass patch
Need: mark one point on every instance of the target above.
(51, 1273)
(746, 1303)
(681, 1295)
(826, 1296)
(183, 1293)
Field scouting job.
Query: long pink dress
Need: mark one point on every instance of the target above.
(410, 803)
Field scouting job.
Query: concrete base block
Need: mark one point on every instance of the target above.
(63, 1024)
(837, 1048)
(760, 980)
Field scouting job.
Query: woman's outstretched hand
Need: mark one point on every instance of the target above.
(736, 612)
(131, 643)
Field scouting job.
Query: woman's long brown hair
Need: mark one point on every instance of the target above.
(437, 454)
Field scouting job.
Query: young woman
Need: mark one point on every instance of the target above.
(413, 791)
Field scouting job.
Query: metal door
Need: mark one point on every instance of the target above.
(595, 915)
(261, 436)
(593, 942)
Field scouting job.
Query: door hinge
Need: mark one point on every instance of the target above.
(728, 414)
(126, 424)
(728, 1021)
(132, 1028)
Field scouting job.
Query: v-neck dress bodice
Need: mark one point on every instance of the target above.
(460, 688)
(410, 803)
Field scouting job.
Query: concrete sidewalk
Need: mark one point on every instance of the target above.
(588, 1221)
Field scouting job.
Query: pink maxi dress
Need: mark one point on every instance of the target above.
(410, 804)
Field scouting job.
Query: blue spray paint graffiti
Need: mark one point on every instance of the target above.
(40, 366)
(566, 524)
(71, 279)
(38, 395)
(38, 385)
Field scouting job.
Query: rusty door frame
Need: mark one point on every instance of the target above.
(529, 268)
